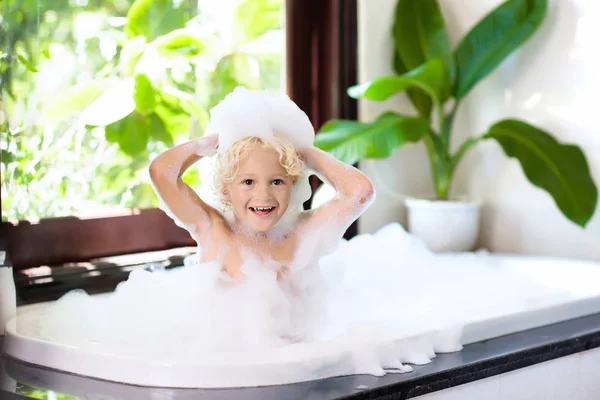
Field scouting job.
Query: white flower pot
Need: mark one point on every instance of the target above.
(444, 226)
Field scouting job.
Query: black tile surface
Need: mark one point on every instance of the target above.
(474, 362)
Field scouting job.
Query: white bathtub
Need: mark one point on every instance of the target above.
(577, 285)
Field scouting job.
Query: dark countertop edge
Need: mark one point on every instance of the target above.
(477, 370)
(503, 364)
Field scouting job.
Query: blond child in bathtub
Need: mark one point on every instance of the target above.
(255, 177)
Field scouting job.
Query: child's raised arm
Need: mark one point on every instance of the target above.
(355, 193)
(181, 200)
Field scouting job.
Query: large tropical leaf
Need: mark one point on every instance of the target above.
(153, 18)
(131, 53)
(232, 70)
(496, 36)
(144, 95)
(418, 98)
(420, 34)
(112, 105)
(158, 130)
(178, 99)
(175, 119)
(352, 141)
(75, 99)
(560, 169)
(131, 133)
(430, 78)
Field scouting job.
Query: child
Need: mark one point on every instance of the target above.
(255, 177)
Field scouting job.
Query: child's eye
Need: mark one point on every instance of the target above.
(278, 182)
(247, 182)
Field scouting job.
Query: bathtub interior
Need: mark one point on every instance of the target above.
(574, 291)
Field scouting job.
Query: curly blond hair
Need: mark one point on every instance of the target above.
(228, 164)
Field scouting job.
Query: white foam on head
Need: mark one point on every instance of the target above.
(262, 114)
(246, 112)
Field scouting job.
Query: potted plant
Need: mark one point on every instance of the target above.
(436, 79)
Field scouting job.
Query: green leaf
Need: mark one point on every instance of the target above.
(153, 18)
(112, 105)
(420, 35)
(179, 100)
(231, 71)
(46, 53)
(27, 63)
(430, 77)
(496, 36)
(352, 141)
(75, 99)
(144, 95)
(131, 53)
(131, 133)
(560, 169)
(192, 177)
(181, 42)
(176, 121)
(158, 130)
(143, 197)
(6, 157)
(253, 18)
(418, 98)
(270, 71)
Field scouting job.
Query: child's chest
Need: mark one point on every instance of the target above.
(274, 255)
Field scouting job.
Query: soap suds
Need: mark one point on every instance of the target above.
(371, 305)
(378, 302)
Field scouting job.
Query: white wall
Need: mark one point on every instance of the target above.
(551, 82)
(574, 377)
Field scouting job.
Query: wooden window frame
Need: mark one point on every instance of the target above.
(321, 63)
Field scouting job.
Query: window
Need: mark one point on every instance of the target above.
(99, 88)
(94, 89)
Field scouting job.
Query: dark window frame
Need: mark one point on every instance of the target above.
(321, 64)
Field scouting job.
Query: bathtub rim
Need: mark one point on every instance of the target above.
(186, 375)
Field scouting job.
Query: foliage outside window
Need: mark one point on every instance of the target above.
(92, 90)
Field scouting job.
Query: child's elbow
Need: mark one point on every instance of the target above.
(155, 170)
(366, 192)
(158, 171)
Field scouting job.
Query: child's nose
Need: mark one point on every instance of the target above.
(264, 191)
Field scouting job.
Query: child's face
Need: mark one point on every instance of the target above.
(261, 191)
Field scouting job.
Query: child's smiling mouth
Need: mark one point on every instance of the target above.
(262, 211)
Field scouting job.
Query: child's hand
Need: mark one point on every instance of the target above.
(208, 145)
(308, 155)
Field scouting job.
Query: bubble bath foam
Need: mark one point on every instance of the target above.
(378, 304)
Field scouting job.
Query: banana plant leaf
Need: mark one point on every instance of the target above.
(496, 36)
(351, 141)
(420, 100)
(429, 77)
(420, 34)
(560, 169)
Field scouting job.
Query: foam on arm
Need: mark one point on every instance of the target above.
(354, 192)
(178, 199)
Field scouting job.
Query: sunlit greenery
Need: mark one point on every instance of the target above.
(42, 394)
(92, 90)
